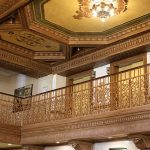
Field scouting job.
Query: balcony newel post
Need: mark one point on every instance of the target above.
(114, 97)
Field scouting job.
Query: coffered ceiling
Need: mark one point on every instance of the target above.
(43, 36)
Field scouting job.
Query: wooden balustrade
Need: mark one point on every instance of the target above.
(8, 114)
(118, 91)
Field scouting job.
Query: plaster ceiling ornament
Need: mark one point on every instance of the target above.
(102, 9)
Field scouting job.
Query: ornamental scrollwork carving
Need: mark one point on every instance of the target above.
(29, 39)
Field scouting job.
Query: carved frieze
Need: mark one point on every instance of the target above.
(16, 49)
(87, 127)
(49, 55)
(24, 64)
(103, 53)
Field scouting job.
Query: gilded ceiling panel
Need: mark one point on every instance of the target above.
(62, 15)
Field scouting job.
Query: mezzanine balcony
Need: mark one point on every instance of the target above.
(113, 99)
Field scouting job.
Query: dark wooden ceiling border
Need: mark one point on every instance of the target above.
(12, 5)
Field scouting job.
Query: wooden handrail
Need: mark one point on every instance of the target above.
(80, 82)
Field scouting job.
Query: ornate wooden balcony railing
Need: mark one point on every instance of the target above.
(127, 89)
(8, 115)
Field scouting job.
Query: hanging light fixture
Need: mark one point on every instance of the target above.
(102, 9)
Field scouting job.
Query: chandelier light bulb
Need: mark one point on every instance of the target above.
(104, 8)
(103, 19)
(94, 13)
(98, 8)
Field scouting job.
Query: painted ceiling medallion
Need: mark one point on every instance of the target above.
(102, 9)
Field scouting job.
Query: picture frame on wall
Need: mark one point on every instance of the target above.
(20, 103)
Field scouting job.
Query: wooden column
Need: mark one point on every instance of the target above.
(78, 145)
(142, 142)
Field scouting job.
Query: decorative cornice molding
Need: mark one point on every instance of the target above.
(103, 53)
(26, 63)
(86, 124)
(49, 55)
(90, 128)
(43, 29)
(18, 50)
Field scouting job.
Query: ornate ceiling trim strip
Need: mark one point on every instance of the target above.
(24, 62)
(18, 50)
(141, 27)
(103, 53)
(33, 24)
(11, 6)
(49, 55)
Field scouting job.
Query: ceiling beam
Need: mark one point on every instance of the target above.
(8, 7)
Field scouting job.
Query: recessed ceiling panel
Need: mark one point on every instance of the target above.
(61, 13)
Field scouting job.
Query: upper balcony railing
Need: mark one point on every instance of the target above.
(127, 89)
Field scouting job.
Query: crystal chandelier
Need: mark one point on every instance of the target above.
(102, 9)
(106, 8)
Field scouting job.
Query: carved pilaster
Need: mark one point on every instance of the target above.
(141, 141)
(78, 145)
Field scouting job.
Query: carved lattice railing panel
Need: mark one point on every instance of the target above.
(7, 111)
(119, 91)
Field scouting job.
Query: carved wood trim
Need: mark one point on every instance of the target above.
(141, 141)
(34, 25)
(18, 50)
(10, 133)
(26, 63)
(9, 6)
(89, 127)
(102, 54)
(49, 55)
